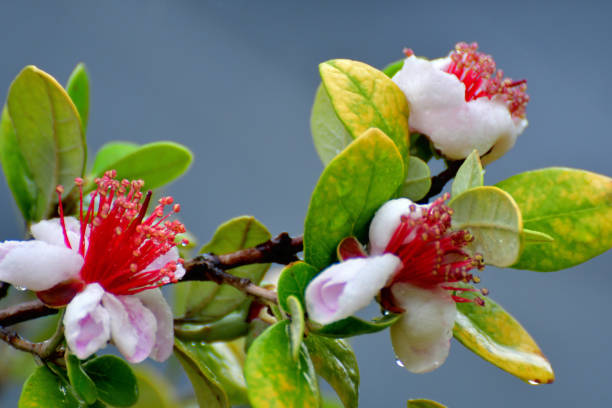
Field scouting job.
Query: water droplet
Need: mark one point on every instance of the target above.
(21, 288)
(399, 362)
(533, 382)
(183, 244)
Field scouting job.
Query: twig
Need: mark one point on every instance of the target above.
(23, 312)
(211, 267)
(439, 181)
(38, 349)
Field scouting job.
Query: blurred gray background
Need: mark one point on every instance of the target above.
(235, 80)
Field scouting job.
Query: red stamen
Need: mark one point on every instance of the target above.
(478, 72)
(60, 190)
(431, 254)
(118, 243)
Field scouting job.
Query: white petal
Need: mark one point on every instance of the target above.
(387, 219)
(161, 261)
(50, 231)
(344, 288)
(37, 265)
(86, 322)
(133, 326)
(421, 338)
(438, 109)
(164, 337)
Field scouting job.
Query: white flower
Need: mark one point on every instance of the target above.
(461, 103)
(414, 260)
(106, 267)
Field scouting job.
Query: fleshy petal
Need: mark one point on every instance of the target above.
(37, 265)
(387, 219)
(50, 231)
(421, 338)
(344, 288)
(161, 261)
(164, 336)
(438, 109)
(132, 325)
(86, 322)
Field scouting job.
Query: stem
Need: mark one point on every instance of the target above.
(23, 312)
(439, 181)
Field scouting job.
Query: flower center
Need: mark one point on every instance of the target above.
(432, 254)
(118, 242)
(478, 72)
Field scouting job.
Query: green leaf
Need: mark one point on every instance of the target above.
(393, 68)
(573, 206)
(493, 218)
(420, 146)
(296, 327)
(350, 190)
(329, 135)
(156, 163)
(43, 389)
(293, 281)
(364, 97)
(220, 364)
(78, 90)
(424, 403)
(17, 173)
(48, 134)
(114, 379)
(493, 334)
(469, 175)
(353, 326)
(208, 301)
(209, 393)
(530, 236)
(274, 378)
(109, 154)
(336, 363)
(154, 389)
(418, 180)
(229, 327)
(80, 381)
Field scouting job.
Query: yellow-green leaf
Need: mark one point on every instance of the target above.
(78, 89)
(574, 207)
(493, 218)
(48, 133)
(424, 403)
(208, 391)
(493, 334)
(364, 97)
(274, 378)
(350, 190)
(297, 325)
(154, 389)
(418, 180)
(336, 363)
(469, 175)
(329, 135)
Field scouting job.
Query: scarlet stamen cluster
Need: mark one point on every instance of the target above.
(478, 72)
(118, 242)
(431, 253)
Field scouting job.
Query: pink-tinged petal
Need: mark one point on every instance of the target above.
(421, 338)
(161, 261)
(37, 265)
(387, 219)
(439, 110)
(50, 231)
(344, 288)
(86, 322)
(164, 336)
(132, 325)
